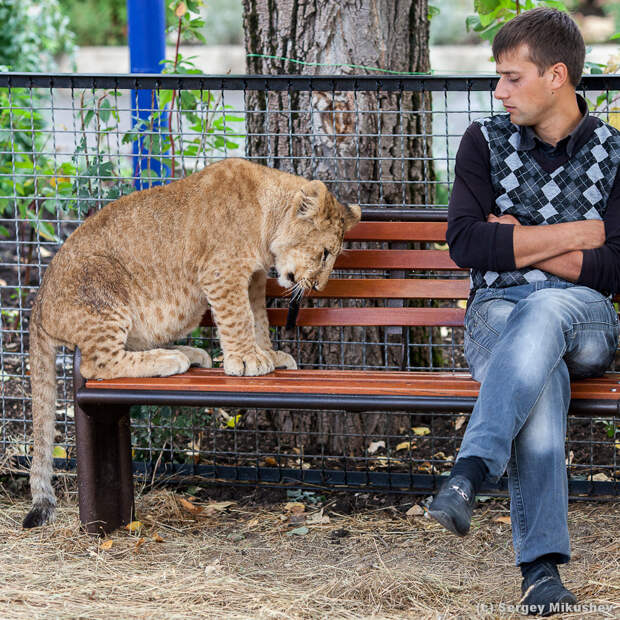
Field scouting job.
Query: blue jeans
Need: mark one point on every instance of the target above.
(523, 344)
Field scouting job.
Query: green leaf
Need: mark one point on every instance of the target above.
(88, 118)
(298, 531)
(105, 110)
(4, 231)
(472, 22)
(614, 36)
(433, 11)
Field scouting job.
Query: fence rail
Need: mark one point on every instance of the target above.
(69, 144)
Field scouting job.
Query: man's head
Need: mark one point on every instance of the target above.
(539, 55)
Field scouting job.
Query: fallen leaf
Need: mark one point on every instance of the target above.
(403, 445)
(270, 461)
(375, 445)
(617, 445)
(415, 511)
(458, 423)
(601, 477)
(299, 531)
(421, 430)
(294, 507)
(139, 543)
(218, 506)
(134, 526)
(189, 506)
(59, 452)
(253, 522)
(106, 544)
(157, 538)
(318, 518)
(503, 519)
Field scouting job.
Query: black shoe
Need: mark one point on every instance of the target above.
(453, 505)
(543, 592)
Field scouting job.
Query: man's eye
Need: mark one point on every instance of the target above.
(325, 254)
(513, 80)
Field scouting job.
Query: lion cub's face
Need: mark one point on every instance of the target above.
(306, 248)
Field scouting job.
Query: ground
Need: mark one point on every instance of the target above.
(204, 552)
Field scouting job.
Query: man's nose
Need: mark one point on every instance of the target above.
(499, 92)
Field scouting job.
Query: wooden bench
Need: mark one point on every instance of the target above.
(105, 481)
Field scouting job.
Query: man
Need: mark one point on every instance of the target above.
(535, 214)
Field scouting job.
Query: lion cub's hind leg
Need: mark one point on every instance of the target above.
(104, 356)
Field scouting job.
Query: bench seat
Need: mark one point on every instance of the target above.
(410, 274)
(282, 388)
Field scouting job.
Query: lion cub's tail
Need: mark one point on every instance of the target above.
(43, 382)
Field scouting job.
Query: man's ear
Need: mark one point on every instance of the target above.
(309, 199)
(352, 216)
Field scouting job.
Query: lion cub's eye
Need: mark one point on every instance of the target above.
(325, 254)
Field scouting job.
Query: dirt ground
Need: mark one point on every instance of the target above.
(203, 552)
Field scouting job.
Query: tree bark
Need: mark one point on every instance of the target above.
(369, 147)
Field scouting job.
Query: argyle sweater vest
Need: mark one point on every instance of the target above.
(578, 190)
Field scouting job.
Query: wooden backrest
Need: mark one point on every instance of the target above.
(403, 282)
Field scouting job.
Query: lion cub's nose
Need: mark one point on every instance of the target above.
(291, 276)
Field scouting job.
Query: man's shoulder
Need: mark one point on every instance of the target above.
(496, 126)
(606, 133)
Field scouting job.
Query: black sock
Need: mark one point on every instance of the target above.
(554, 558)
(472, 467)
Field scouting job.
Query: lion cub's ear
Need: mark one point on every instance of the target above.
(309, 201)
(352, 216)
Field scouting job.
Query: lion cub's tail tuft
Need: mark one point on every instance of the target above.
(43, 382)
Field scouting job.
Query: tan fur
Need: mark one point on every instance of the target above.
(139, 275)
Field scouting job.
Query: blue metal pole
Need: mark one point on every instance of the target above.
(146, 21)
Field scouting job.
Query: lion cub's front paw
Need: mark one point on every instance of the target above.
(196, 356)
(283, 360)
(258, 362)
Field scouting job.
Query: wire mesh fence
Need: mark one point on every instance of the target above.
(71, 144)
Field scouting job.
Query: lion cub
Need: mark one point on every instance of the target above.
(140, 273)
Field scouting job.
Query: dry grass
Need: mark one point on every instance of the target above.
(239, 562)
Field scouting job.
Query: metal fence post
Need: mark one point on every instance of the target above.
(147, 48)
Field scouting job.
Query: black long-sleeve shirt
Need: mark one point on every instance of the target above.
(479, 244)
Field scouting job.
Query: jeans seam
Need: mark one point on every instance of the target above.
(522, 522)
(480, 346)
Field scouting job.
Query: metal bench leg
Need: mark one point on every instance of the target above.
(105, 477)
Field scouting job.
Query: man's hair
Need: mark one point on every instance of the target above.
(550, 35)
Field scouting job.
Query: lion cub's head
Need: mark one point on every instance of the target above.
(307, 244)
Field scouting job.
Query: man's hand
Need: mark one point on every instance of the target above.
(503, 219)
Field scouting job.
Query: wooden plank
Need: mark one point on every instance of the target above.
(398, 231)
(340, 382)
(413, 288)
(438, 260)
(365, 317)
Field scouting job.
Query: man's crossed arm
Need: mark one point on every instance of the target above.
(555, 248)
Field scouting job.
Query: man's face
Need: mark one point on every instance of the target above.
(526, 95)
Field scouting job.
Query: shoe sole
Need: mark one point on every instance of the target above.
(446, 520)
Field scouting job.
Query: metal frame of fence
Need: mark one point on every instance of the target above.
(66, 150)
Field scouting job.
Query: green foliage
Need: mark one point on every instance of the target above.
(97, 22)
(491, 15)
(32, 34)
(36, 185)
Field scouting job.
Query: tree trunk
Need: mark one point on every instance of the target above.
(369, 147)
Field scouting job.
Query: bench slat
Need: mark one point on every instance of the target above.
(397, 259)
(414, 288)
(364, 317)
(398, 231)
(340, 382)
